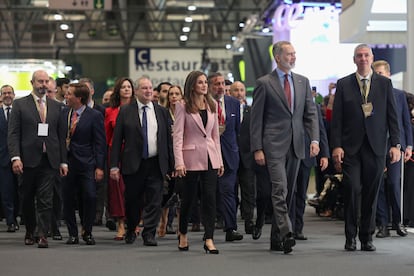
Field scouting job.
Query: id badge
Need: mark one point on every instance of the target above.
(42, 130)
(367, 109)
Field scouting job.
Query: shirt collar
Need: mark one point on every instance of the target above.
(282, 74)
(80, 110)
(43, 98)
(150, 105)
(368, 77)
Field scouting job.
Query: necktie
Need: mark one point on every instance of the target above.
(7, 113)
(287, 91)
(364, 88)
(73, 122)
(42, 110)
(144, 132)
(220, 113)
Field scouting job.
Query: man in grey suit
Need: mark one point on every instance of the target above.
(282, 111)
(35, 148)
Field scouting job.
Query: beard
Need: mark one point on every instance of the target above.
(41, 90)
(287, 65)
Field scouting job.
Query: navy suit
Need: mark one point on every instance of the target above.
(390, 190)
(86, 152)
(297, 208)
(230, 153)
(8, 184)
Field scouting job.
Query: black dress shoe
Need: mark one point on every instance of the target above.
(110, 224)
(130, 237)
(367, 246)
(57, 236)
(350, 244)
(88, 238)
(288, 243)
(248, 227)
(11, 228)
(72, 240)
(149, 240)
(300, 236)
(211, 251)
(42, 243)
(383, 232)
(29, 239)
(401, 231)
(276, 246)
(257, 233)
(170, 229)
(233, 235)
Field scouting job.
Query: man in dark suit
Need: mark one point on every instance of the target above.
(364, 116)
(282, 110)
(245, 172)
(101, 186)
(299, 196)
(142, 143)
(35, 150)
(8, 184)
(390, 189)
(83, 130)
(229, 126)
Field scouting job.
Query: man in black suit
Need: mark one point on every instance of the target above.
(101, 191)
(245, 173)
(145, 156)
(364, 116)
(8, 184)
(35, 149)
(83, 130)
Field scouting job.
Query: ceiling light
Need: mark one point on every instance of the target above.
(183, 37)
(233, 38)
(188, 19)
(64, 27)
(67, 17)
(228, 46)
(241, 24)
(265, 30)
(184, 3)
(186, 29)
(181, 17)
(57, 17)
(70, 35)
(191, 8)
(390, 26)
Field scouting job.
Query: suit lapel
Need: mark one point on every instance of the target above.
(197, 118)
(298, 86)
(278, 88)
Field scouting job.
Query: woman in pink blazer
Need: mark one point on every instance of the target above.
(197, 156)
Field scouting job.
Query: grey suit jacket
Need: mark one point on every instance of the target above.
(23, 139)
(273, 127)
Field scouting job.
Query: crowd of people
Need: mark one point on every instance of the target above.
(148, 155)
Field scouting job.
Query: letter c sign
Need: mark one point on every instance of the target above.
(286, 15)
(142, 56)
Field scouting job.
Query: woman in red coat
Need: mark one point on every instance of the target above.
(122, 94)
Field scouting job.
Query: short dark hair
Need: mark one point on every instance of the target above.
(61, 81)
(158, 88)
(81, 91)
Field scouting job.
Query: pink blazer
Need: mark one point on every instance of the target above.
(193, 143)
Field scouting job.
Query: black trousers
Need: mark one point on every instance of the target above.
(145, 185)
(79, 186)
(362, 177)
(37, 183)
(206, 182)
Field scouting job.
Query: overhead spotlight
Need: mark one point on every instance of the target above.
(233, 38)
(228, 46)
(68, 68)
(241, 49)
(241, 24)
(265, 30)
(64, 27)
(57, 17)
(186, 29)
(191, 8)
(188, 19)
(183, 37)
(70, 35)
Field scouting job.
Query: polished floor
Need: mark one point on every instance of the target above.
(321, 254)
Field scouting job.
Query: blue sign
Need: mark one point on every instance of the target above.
(142, 56)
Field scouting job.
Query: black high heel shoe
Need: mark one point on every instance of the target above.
(211, 251)
(185, 248)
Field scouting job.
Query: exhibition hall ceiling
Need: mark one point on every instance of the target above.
(30, 26)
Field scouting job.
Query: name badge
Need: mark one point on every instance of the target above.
(42, 130)
(367, 109)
